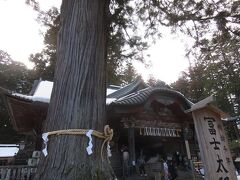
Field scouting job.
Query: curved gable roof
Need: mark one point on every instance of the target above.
(140, 97)
(128, 89)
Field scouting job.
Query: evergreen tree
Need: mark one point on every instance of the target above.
(128, 74)
(153, 82)
(120, 50)
(79, 93)
(45, 61)
(214, 57)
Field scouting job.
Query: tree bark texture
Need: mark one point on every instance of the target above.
(78, 98)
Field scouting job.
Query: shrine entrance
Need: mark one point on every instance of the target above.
(158, 141)
(152, 123)
(155, 145)
(161, 130)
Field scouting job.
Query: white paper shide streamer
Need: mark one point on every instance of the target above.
(109, 153)
(45, 141)
(152, 131)
(90, 145)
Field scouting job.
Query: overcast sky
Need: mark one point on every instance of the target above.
(20, 36)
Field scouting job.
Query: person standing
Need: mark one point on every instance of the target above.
(165, 170)
(141, 164)
(125, 157)
(172, 170)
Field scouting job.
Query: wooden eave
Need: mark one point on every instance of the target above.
(207, 103)
(25, 115)
(177, 105)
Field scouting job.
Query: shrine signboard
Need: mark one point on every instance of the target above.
(213, 143)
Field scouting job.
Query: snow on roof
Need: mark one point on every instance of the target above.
(110, 100)
(110, 91)
(44, 90)
(8, 150)
(237, 159)
(42, 93)
(114, 87)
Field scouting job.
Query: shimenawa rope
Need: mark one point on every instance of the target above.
(107, 135)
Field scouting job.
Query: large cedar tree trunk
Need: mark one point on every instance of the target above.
(78, 97)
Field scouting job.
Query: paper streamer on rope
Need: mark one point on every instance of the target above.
(174, 133)
(109, 153)
(167, 132)
(90, 145)
(45, 141)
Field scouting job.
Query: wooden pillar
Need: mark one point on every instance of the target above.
(188, 149)
(131, 144)
(190, 158)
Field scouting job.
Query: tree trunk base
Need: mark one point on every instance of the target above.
(100, 171)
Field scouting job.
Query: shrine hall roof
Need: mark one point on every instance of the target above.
(42, 91)
(141, 96)
(135, 93)
(27, 112)
(138, 84)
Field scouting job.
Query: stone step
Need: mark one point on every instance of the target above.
(182, 175)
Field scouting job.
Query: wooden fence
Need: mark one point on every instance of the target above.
(17, 172)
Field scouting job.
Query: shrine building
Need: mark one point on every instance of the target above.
(148, 120)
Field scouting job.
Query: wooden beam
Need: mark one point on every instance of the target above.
(188, 149)
(131, 144)
(201, 104)
(207, 103)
